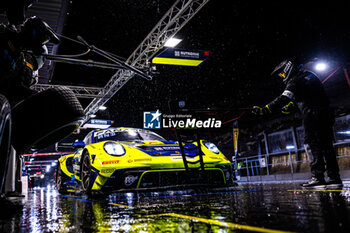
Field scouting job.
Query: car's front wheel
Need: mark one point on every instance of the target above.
(86, 180)
(60, 180)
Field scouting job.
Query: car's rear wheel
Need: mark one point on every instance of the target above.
(60, 180)
(86, 180)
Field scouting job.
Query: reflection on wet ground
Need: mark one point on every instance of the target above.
(257, 208)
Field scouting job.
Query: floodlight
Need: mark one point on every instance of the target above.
(102, 108)
(321, 66)
(172, 42)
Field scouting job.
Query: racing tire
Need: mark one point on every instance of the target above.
(45, 118)
(85, 174)
(61, 188)
(5, 139)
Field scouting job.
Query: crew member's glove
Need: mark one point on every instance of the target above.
(288, 108)
(261, 110)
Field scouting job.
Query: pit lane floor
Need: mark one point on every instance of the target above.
(245, 208)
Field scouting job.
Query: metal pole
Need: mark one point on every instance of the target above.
(267, 153)
(291, 162)
(246, 163)
(267, 165)
(266, 144)
(296, 144)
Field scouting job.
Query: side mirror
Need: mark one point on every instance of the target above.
(78, 144)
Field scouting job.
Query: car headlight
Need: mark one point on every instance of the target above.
(114, 148)
(212, 147)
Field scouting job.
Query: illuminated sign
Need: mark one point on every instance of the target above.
(172, 56)
(98, 124)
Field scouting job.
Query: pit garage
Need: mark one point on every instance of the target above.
(143, 116)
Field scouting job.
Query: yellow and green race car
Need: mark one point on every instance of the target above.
(121, 159)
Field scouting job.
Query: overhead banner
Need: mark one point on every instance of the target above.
(181, 57)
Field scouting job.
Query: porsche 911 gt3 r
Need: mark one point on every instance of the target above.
(126, 158)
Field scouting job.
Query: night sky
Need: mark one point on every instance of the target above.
(247, 39)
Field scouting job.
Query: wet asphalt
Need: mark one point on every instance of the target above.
(244, 208)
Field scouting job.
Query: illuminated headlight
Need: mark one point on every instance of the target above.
(114, 148)
(211, 146)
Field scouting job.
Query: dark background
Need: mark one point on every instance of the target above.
(247, 39)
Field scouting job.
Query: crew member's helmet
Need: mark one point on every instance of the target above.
(35, 33)
(284, 70)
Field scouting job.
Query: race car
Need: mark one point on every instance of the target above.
(121, 159)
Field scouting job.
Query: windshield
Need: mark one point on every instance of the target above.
(126, 135)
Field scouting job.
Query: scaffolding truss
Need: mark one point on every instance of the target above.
(175, 18)
(79, 91)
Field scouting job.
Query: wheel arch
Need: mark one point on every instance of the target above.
(85, 150)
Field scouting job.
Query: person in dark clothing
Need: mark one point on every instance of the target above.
(21, 55)
(21, 49)
(306, 90)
